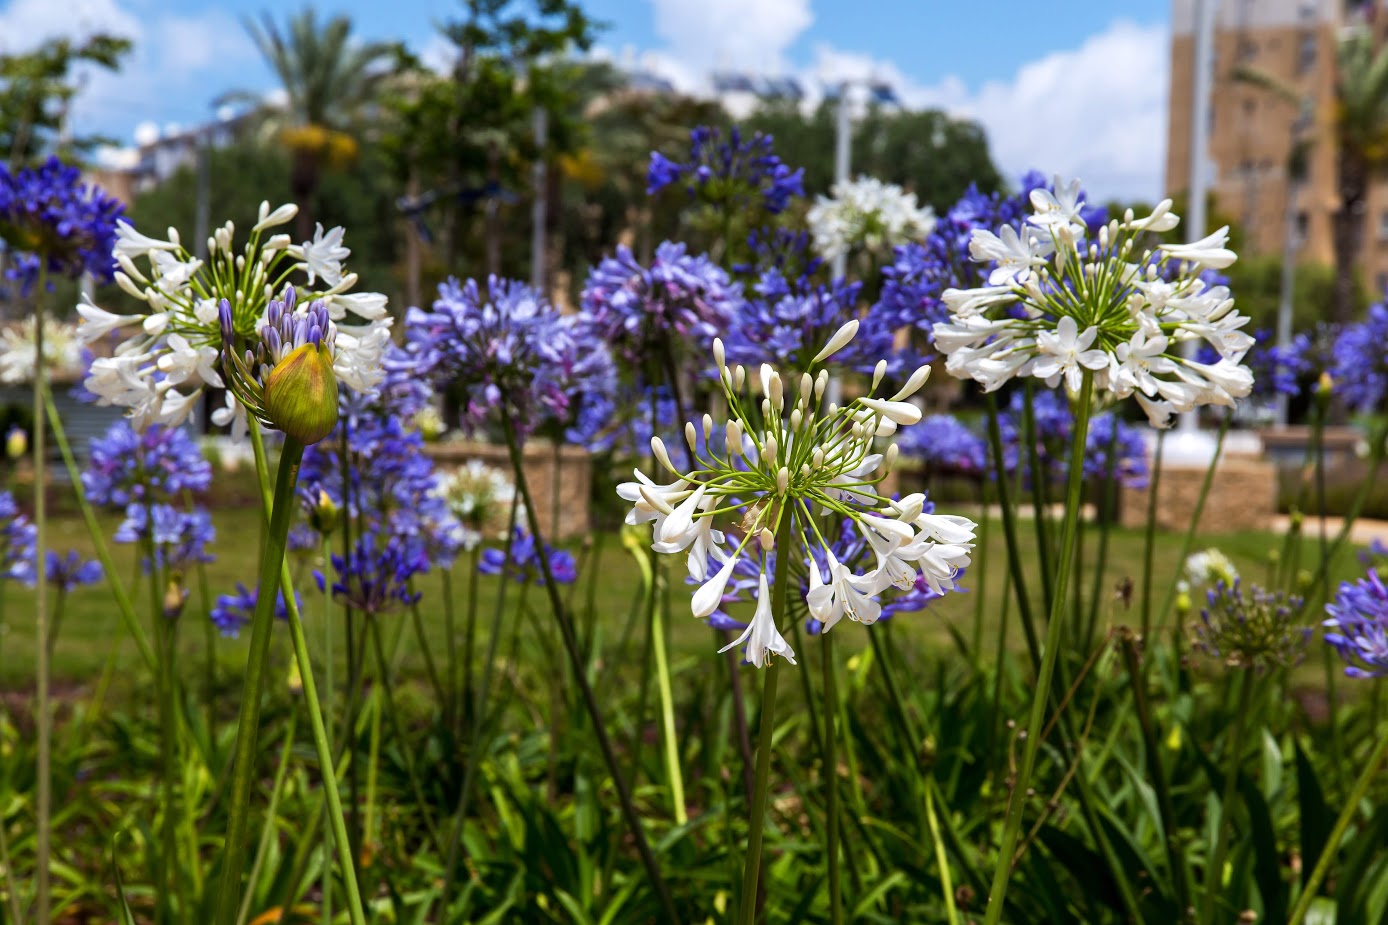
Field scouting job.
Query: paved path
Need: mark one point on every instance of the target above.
(1363, 532)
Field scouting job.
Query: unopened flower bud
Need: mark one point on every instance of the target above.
(323, 515)
(301, 394)
(708, 426)
(733, 435)
(16, 443)
(175, 596)
(821, 382)
(691, 436)
(739, 378)
(296, 680)
(840, 340)
(658, 448)
(795, 418)
(718, 355)
(890, 460)
(913, 384)
(764, 377)
(767, 539)
(782, 480)
(768, 451)
(878, 372)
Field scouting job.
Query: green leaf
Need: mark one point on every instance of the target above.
(1315, 817)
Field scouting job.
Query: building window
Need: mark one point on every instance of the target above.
(1306, 59)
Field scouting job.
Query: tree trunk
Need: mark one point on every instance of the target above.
(303, 187)
(493, 206)
(1348, 234)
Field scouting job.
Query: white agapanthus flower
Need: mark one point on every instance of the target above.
(62, 352)
(172, 352)
(1209, 566)
(867, 214)
(480, 497)
(794, 469)
(1060, 304)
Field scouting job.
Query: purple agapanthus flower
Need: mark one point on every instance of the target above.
(18, 542)
(791, 320)
(68, 572)
(160, 464)
(180, 538)
(47, 213)
(394, 488)
(740, 172)
(510, 350)
(944, 443)
(1359, 364)
(374, 577)
(233, 611)
(524, 565)
(680, 299)
(1358, 626)
(1053, 422)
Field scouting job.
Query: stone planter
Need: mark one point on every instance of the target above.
(561, 483)
(1243, 496)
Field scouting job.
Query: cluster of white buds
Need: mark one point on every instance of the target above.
(1103, 305)
(792, 467)
(159, 372)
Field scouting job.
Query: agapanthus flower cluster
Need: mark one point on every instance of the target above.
(18, 542)
(792, 459)
(790, 321)
(622, 424)
(480, 498)
(47, 214)
(67, 573)
(233, 611)
(1209, 567)
(739, 173)
(511, 351)
(1062, 304)
(1359, 362)
(394, 494)
(374, 576)
(176, 350)
(1258, 630)
(62, 352)
(847, 548)
(524, 564)
(159, 464)
(149, 476)
(944, 443)
(866, 215)
(1358, 626)
(642, 312)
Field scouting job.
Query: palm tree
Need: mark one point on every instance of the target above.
(1361, 133)
(330, 83)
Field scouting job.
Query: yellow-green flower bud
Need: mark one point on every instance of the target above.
(323, 516)
(16, 443)
(301, 394)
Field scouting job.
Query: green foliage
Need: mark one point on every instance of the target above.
(928, 151)
(1257, 285)
(36, 88)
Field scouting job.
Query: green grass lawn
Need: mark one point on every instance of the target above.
(92, 631)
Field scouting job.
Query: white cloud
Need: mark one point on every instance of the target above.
(170, 51)
(745, 34)
(1097, 112)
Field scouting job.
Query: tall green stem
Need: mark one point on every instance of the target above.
(1149, 543)
(1195, 516)
(124, 604)
(1009, 529)
(329, 657)
(756, 822)
(1012, 827)
(270, 510)
(566, 631)
(1352, 800)
(262, 623)
(667, 706)
(45, 719)
(831, 774)
(1214, 874)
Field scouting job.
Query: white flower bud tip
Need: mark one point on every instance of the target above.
(842, 337)
(898, 412)
(739, 378)
(708, 426)
(878, 372)
(718, 356)
(782, 480)
(658, 448)
(890, 460)
(913, 385)
(767, 539)
(691, 436)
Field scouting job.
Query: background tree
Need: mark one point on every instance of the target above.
(36, 88)
(330, 83)
(1361, 134)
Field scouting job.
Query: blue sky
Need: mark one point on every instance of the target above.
(1078, 88)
